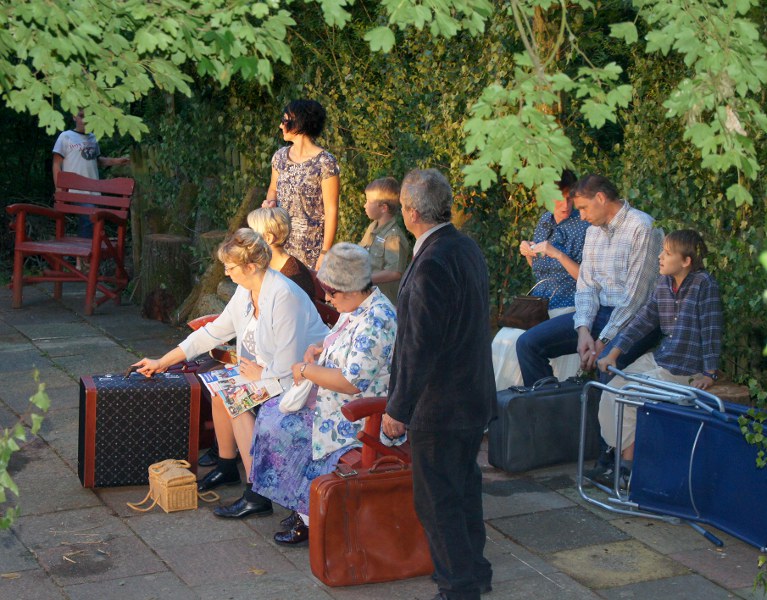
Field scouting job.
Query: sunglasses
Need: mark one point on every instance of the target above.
(330, 291)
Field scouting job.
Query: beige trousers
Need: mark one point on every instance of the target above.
(644, 365)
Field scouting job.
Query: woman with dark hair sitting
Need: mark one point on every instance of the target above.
(291, 449)
(554, 254)
(305, 182)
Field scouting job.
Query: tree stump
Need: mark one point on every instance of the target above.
(165, 265)
(208, 243)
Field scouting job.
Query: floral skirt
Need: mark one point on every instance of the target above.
(283, 468)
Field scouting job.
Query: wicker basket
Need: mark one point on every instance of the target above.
(171, 485)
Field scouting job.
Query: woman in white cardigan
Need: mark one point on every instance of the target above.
(274, 321)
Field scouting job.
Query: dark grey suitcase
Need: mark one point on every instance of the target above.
(540, 425)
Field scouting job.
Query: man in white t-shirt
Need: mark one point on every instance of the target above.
(76, 151)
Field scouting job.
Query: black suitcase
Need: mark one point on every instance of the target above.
(540, 425)
(129, 423)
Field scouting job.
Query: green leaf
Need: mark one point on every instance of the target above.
(739, 195)
(380, 39)
(625, 31)
(37, 421)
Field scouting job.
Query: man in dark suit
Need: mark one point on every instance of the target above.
(442, 387)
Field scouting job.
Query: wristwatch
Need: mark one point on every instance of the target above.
(711, 374)
(605, 340)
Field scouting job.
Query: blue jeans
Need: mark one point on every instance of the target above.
(558, 337)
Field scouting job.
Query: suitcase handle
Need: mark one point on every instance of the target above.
(388, 463)
(544, 381)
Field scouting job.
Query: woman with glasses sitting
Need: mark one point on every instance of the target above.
(293, 448)
(274, 321)
(554, 254)
(305, 182)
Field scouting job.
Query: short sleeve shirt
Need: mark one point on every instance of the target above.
(80, 152)
(568, 237)
(389, 251)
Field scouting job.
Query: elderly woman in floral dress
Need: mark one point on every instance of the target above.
(290, 450)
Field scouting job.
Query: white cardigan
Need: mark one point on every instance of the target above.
(288, 325)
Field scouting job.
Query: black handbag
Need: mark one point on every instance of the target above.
(525, 312)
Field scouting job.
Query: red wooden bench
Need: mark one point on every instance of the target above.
(111, 200)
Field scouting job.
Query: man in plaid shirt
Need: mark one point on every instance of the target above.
(618, 271)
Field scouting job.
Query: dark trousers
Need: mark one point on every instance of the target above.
(557, 337)
(447, 489)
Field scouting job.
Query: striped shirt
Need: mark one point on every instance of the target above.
(619, 269)
(690, 321)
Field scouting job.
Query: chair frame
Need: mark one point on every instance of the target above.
(110, 200)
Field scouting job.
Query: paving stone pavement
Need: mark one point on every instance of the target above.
(73, 543)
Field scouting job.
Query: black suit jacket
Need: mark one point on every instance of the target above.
(442, 369)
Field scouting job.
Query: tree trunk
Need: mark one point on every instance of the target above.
(215, 272)
(165, 266)
(207, 245)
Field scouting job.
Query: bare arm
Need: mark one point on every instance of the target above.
(58, 161)
(271, 193)
(385, 276)
(106, 161)
(330, 192)
(150, 366)
(550, 250)
(330, 379)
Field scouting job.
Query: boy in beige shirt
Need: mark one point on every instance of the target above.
(386, 243)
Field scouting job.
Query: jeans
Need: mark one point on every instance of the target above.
(447, 490)
(557, 337)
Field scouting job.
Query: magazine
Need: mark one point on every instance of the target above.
(238, 392)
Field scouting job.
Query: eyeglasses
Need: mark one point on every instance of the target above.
(228, 269)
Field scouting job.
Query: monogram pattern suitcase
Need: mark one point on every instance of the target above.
(129, 423)
(364, 527)
(540, 426)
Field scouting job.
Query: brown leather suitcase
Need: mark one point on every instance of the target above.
(130, 422)
(363, 526)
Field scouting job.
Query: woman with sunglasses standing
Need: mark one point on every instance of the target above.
(305, 182)
(273, 320)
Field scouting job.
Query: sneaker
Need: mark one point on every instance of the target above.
(606, 476)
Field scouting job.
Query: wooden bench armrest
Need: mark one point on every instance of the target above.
(105, 215)
(364, 407)
(34, 209)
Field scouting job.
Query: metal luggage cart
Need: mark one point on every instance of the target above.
(691, 463)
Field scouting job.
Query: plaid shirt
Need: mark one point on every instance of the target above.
(690, 320)
(619, 268)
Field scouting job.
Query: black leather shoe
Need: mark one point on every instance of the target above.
(216, 478)
(242, 508)
(291, 521)
(209, 459)
(485, 587)
(296, 535)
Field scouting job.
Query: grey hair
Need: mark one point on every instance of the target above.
(428, 192)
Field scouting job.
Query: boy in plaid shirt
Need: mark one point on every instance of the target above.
(685, 305)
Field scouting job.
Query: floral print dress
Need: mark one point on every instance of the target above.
(299, 191)
(290, 450)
